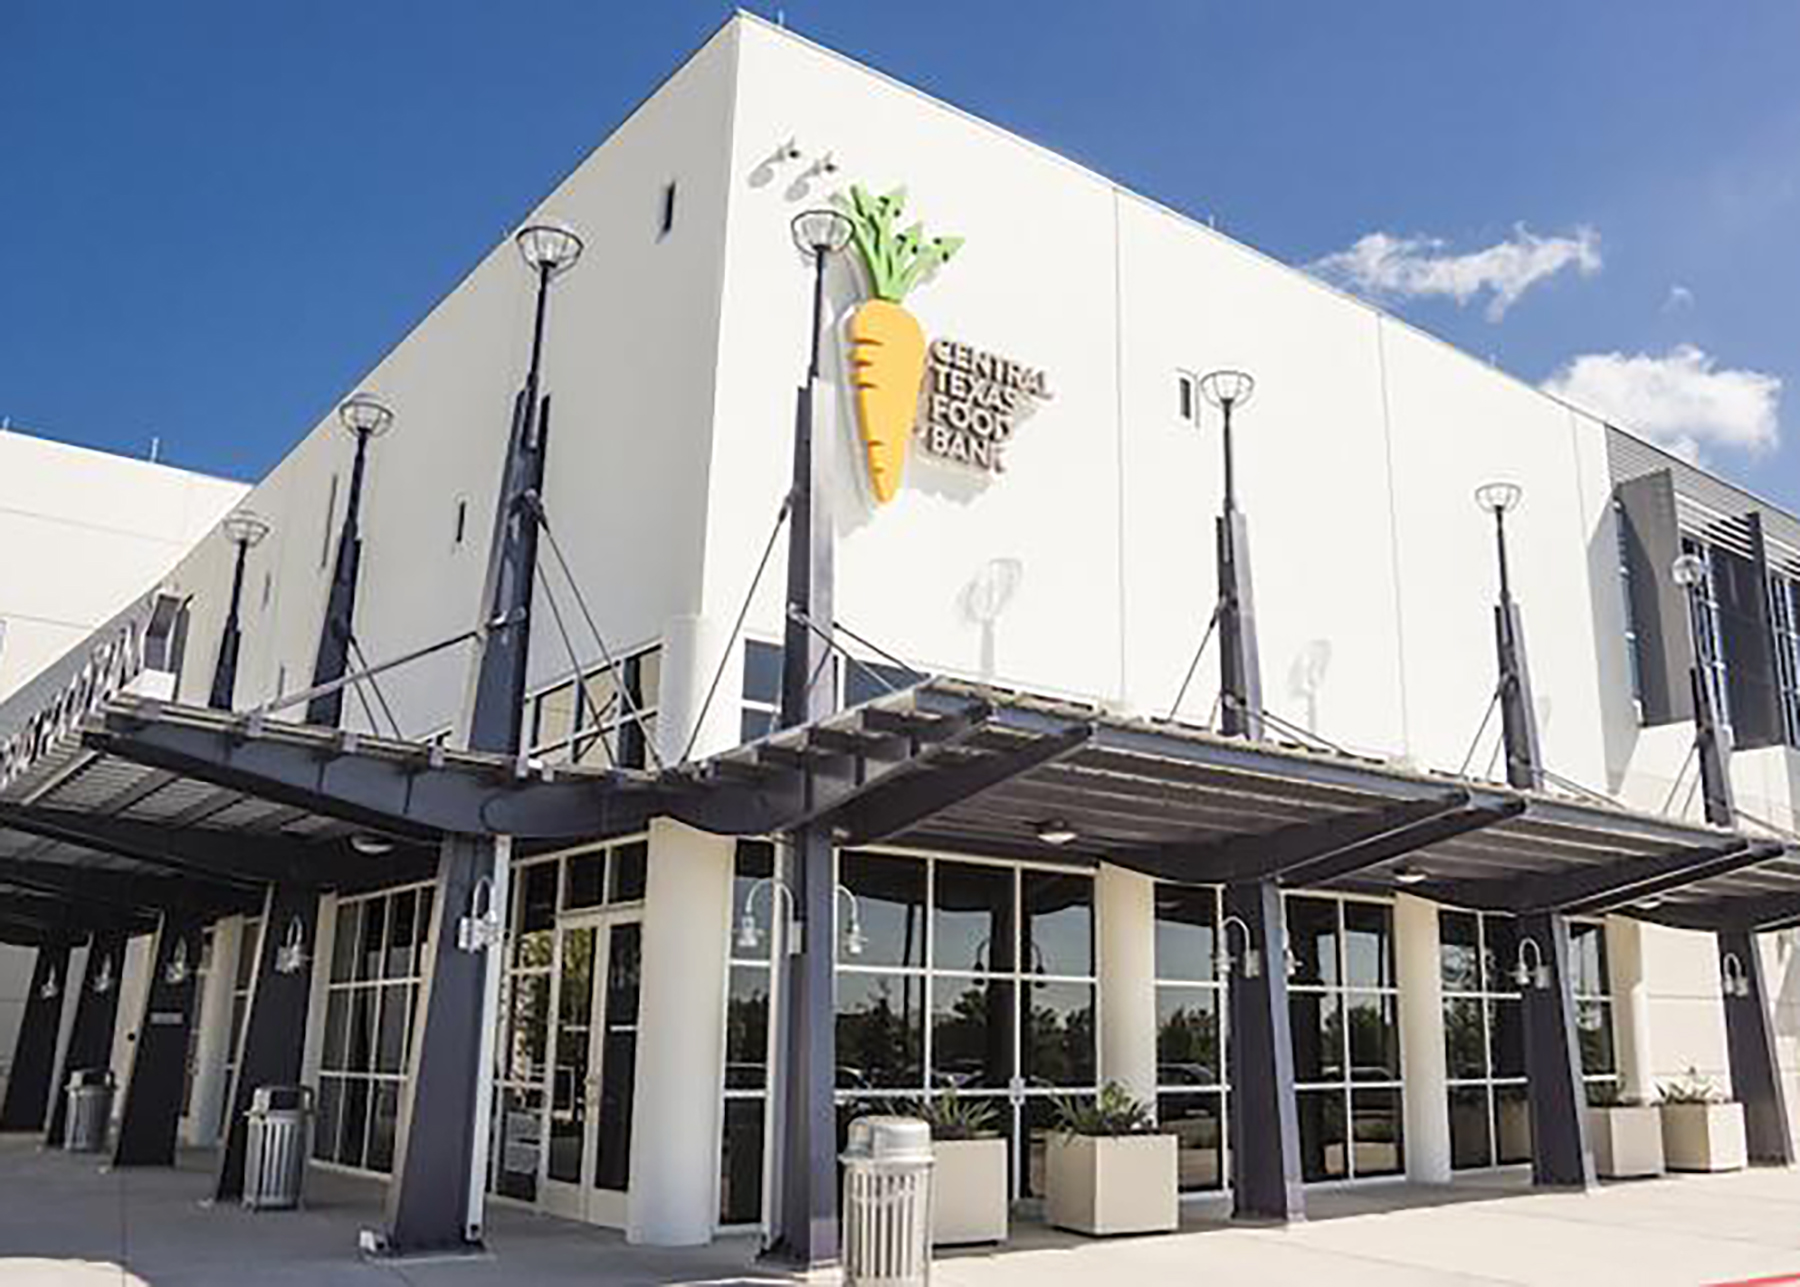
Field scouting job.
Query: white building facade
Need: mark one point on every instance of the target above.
(1050, 533)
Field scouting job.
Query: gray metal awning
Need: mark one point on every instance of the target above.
(142, 802)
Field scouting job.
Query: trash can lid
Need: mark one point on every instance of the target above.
(888, 1139)
(276, 1099)
(90, 1077)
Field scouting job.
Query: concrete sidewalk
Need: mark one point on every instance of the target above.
(65, 1224)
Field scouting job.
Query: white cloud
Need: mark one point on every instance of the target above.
(1385, 266)
(1680, 297)
(1682, 400)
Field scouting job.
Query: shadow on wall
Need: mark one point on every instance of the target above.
(984, 599)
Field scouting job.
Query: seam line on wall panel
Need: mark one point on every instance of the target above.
(1119, 439)
(709, 457)
(1387, 452)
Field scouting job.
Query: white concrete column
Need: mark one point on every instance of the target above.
(680, 1046)
(212, 1047)
(1631, 1006)
(1127, 945)
(692, 649)
(1423, 1061)
(324, 943)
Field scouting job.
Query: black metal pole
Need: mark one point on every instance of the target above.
(1712, 740)
(1518, 714)
(805, 1229)
(432, 1206)
(1240, 675)
(333, 657)
(224, 685)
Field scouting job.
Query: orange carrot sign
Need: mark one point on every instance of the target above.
(887, 346)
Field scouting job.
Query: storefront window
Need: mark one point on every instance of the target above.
(1484, 1040)
(1344, 1014)
(749, 1030)
(1190, 1052)
(977, 978)
(378, 961)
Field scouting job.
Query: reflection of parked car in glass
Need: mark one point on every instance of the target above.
(1186, 1075)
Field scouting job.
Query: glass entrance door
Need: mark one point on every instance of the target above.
(593, 1064)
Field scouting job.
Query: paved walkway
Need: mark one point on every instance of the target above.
(65, 1224)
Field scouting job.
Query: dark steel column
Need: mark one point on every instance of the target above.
(151, 1117)
(1265, 1125)
(1712, 741)
(333, 657)
(1240, 669)
(91, 1034)
(28, 1088)
(272, 1048)
(1755, 1064)
(428, 1206)
(1518, 712)
(805, 1213)
(1559, 1147)
(224, 684)
(428, 1200)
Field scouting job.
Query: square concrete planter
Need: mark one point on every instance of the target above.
(1627, 1140)
(1105, 1184)
(1703, 1137)
(968, 1192)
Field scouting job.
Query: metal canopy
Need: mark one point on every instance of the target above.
(146, 800)
(957, 768)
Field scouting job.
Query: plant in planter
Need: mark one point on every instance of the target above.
(968, 1174)
(1702, 1129)
(1626, 1134)
(1108, 1169)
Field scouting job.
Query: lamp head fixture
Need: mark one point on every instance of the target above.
(177, 971)
(1054, 831)
(1499, 497)
(820, 232)
(365, 415)
(1407, 874)
(245, 527)
(1225, 389)
(370, 845)
(1688, 571)
(1735, 979)
(1534, 973)
(549, 246)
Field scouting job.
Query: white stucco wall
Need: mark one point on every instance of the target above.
(87, 533)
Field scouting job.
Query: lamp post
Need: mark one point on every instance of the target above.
(1240, 672)
(818, 234)
(805, 1229)
(1712, 738)
(549, 250)
(436, 1202)
(245, 530)
(365, 418)
(1518, 714)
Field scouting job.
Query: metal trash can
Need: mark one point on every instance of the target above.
(887, 1202)
(279, 1126)
(89, 1116)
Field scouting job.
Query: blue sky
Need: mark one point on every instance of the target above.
(218, 213)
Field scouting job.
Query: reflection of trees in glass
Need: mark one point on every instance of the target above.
(972, 1039)
(1465, 1044)
(1374, 1052)
(747, 1027)
(1594, 1032)
(1187, 1045)
(880, 1044)
(1059, 1045)
(530, 1032)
